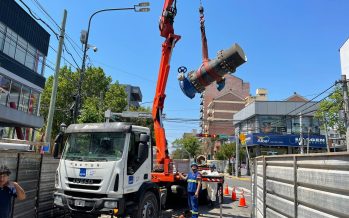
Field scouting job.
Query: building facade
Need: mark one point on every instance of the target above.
(280, 127)
(219, 107)
(23, 50)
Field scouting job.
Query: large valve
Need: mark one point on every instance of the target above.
(212, 71)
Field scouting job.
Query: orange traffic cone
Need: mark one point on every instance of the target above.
(233, 194)
(242, 202)
(226, 190)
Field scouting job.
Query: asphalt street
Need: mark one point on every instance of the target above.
(229, 208)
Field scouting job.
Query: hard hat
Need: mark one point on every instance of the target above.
(4, 170)
(193, 164)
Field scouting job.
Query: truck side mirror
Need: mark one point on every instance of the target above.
(144, 138)
(55, 150)
(143, 148)
(142, 152)
(58, 144)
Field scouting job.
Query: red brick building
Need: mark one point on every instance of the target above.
(218, 107)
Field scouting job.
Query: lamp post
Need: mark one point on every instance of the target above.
(141, 7)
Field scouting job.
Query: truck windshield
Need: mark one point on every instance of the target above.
(102, 146)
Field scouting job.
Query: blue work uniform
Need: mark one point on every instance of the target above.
(6, 196)
(193, 203)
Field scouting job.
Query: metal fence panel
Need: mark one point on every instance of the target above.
(281, 189)
(37, 180)
(28, 177)
(314, 185)
(307, 212)
(337, 204)
(280, 205)
(273, 214)
(47, 187)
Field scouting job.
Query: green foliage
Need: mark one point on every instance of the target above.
(219, 155)
(189, 143)
(98, 94)
(180, 154)
(228, 151)
(329, 110)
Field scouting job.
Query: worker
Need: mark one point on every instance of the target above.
(212, 186)
(8, 191)
(193, 189)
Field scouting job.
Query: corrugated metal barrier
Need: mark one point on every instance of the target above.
(314, 185)
(36, 174)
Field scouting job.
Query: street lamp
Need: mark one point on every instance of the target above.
(141, 7)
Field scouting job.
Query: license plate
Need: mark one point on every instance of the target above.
(79, 203)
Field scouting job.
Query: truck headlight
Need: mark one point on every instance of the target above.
(58, 200)
(110, 204)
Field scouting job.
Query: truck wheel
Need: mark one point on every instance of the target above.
(148, 207)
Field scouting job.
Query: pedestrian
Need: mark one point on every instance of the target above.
(193, 189)
(212, 186)
(8, 191)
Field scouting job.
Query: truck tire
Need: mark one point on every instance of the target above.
(148, 207)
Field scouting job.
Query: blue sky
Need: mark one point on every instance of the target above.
(291, 46)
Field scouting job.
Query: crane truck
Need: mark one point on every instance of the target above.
(109, 168)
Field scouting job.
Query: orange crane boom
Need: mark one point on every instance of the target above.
(166, 31)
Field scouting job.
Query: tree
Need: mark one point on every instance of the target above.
(189, 143)
(329, 110)
(180, 154)
(98, 94)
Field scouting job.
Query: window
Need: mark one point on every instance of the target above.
(14, 95)
(34, 103)
(10, 43)
(2, 35)
(99, 146)
(272, 124)
(40, 63)
(21, 50)
(5, 85)
(24, 99)
(30, 57)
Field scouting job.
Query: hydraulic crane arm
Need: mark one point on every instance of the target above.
(166, 31)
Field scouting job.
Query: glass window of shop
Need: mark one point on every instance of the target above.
(24, 99)
(5, 85)
(2, 35)
(30, 57)
(34, 102)
(310, 125)
(14, 95)
(41, 63)
(272, 124)
(18, 48)
(10, 43)
(21, 50)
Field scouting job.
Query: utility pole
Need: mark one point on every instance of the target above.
(308, 141)
(346, 108)
(326, 133)
(237, 158)
(301, 143)
(55, 81)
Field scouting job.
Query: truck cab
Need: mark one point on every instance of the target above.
(105, 168)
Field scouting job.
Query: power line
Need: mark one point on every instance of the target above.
(55, 23)
(46, 13)
(38, 18)
(65, 47)
(76, 66)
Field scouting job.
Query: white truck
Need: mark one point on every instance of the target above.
(105, 168)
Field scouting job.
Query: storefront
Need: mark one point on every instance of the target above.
(272, 144)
